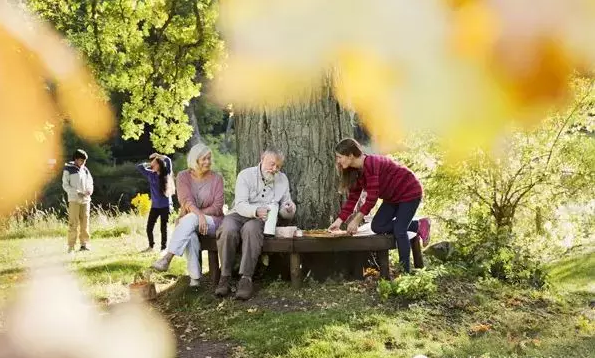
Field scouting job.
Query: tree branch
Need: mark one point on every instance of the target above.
(96, 31)
(566, 120)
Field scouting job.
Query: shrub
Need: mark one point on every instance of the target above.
(141, 203)
(498, 254)
(420, 284)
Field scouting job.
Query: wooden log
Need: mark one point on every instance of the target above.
(418, 259)
(214, 267)
(383, 263)
(296, 270)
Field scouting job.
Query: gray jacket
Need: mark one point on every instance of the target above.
(252, 192)
(76, 182)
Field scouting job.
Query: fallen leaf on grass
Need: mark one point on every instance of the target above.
(480, 329)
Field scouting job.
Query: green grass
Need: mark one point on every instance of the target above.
(575, 273)
(466, 317)
(347, 320)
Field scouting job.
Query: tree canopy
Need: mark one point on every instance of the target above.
(146, 55)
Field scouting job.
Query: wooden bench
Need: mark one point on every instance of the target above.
(296, 246)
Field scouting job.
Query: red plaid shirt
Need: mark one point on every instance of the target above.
(384, 179)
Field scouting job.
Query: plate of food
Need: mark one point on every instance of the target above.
(324, 233)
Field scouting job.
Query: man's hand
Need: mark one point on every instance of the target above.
(289, 207)
(262, 213)
(335, 225)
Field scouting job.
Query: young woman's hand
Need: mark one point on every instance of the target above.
(335, 225)
(354, 223)
(352, 227)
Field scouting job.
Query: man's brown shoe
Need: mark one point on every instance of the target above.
(245, 289)
(223, 288)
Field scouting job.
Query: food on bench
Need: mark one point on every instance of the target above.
(324, 233)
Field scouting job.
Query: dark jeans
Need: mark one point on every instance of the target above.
(397, 219)
(153, 215)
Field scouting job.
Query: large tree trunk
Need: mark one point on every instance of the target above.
(307, 133)
(193, 121)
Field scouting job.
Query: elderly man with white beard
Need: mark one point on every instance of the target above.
(257, 188)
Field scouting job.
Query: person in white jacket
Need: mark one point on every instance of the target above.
(78, 184)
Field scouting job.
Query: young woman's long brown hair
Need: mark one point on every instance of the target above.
(166, 182)
(348, 177)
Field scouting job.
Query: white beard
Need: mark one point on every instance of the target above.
(268, 177)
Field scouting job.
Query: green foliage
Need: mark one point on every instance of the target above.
(209, 116)
(99, 154)
(518, 204)
(145, 54)
(420, 284)
(384, 289)
(226, 164)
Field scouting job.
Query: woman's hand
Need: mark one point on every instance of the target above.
(354, 223)
(352, 227)
(202, 224)
(335, 225)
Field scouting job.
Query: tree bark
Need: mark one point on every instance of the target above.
(230, 125)
(307, 134)
(196, 138)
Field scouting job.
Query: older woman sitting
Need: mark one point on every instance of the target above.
(200, 193)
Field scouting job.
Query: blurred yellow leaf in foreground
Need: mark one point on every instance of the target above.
(42, 82)
(466, 70)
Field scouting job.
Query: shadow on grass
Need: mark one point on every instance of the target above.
(126, 267)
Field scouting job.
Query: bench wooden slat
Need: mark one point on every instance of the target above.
(272, 244)
(347, 243)
(294, 246)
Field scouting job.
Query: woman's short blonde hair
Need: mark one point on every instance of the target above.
(196, 152)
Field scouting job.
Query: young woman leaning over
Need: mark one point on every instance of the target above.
(384, 179)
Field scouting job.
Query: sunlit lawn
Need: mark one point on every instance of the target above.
(335, 319)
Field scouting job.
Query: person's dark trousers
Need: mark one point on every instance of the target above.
(398, 219)
(155, 213)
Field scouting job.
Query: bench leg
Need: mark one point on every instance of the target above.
(383, 263)
(295, 269)
(418, 259)
(214, 266)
